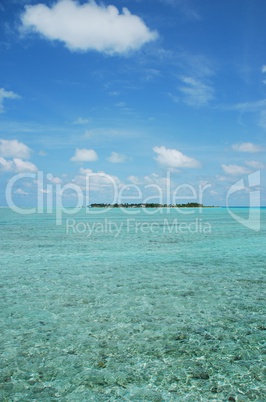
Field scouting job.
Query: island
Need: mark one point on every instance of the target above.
(149, 205)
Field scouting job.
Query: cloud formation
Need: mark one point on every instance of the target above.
(173, 158)
(6, 95)
(88, 26)
(99, 182)
(17, 165)
(116, 158)
(20, 191)
(247, 147)
(84, 155)
(235, 170)
(255, 164)
(255, 106)
(14, 149)
(196, 92)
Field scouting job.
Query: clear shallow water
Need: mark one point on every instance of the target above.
(160, 311)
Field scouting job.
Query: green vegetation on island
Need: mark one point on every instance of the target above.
(148, 205)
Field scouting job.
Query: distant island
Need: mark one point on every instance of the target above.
(149, 205)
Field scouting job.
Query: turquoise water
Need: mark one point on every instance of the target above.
(169, 308)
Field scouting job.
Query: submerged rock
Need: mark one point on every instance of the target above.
(200, 375)
(181, 336)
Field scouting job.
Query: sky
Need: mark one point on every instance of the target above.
(140, 94)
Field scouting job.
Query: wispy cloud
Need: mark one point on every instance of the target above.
(255, 106)
(235, 170)
(134, 180)
(88, 26)
(6, 95)
(185, 7)
(172, 158)
(195, 87)
(150, 74)
(108, 134)
(54, 179)
(100, 182)
(258, 107)
(255, 164)
(81, 121)
(124, 108)
(247, 147)
(196, 92)
(196, 65)
(20, 191)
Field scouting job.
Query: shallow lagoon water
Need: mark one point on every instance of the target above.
(161, 311)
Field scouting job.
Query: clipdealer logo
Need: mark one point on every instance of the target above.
(252, 186)
(50, 196)
(133, 225)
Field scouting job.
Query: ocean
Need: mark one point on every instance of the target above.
(134, 305)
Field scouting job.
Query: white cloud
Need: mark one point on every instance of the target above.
(247, 147)
(14, 149)
(197, 93)
(196, 65)
(263, 68)
(155, 179)
(235, 170)
(85, 171)
(88, 26)
(173, 158)
(21, 192)
(150, 74)
(17, 165)
(5, 165)
(221, 178)
(84, 155)
(54, 179)
(24, 166)
(116, 158)
(6, 95)
(134, 180)
(255, 106)
(255, 164)
(97, 181)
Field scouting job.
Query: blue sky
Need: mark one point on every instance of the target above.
(134, 89)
